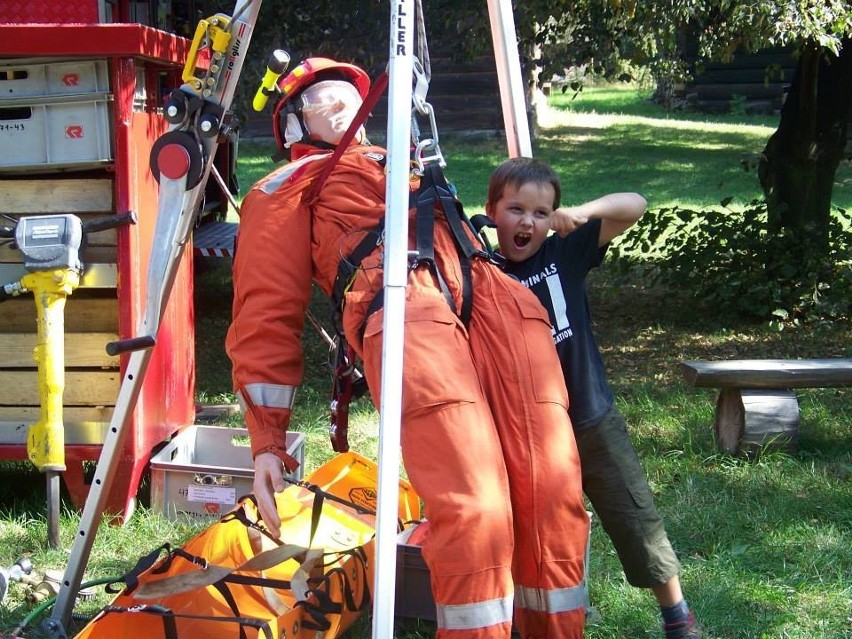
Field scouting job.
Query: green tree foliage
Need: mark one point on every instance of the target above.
(723, 258)
(349, 30)
(797, 166)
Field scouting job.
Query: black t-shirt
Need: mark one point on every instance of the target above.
(557, 276)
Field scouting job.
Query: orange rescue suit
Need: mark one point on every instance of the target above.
(486, 439)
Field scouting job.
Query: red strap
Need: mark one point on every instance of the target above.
(341, 397)
(376, 91)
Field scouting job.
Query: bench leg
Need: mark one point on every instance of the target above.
(750, 420)
(729, 422)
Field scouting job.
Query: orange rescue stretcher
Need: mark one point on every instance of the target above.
(234, 580)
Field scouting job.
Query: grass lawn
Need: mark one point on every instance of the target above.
(765, 545)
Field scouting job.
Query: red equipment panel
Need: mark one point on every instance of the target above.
(144, 63)
(50, 11)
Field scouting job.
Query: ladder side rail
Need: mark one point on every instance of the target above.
(177, 210)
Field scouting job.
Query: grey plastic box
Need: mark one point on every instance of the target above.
(204, 471)
(73, 133)
(55, 114)
(42, 77)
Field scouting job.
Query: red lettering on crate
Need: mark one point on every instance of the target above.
(74, 131)
(71, 79)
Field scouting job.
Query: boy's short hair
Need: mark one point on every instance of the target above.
(519, 171)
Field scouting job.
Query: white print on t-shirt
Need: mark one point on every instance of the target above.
(562, 328)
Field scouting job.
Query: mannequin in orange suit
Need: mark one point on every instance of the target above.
(486, 440)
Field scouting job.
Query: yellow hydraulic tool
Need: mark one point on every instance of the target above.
(51, 245)
(46, 438)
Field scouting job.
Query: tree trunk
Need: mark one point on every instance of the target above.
(800, 160)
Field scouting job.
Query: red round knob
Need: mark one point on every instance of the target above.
(173, 161)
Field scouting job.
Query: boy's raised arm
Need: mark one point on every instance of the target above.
(617, 212)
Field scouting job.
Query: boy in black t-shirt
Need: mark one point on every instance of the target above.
(523, 202)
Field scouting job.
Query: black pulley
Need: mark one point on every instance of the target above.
(175, 153)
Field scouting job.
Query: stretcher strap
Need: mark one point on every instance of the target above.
(131, 578)
(318, 607)
(212, 574)
(228, 596)
(320, 589)
(248, 580)
(169, 617)
(240, 515)
(324, 605)
(316, 512)
(331, 497)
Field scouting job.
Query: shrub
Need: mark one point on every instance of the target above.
(732, 264)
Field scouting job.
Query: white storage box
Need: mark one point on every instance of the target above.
(205, 470)
(37, 78)
(54, 113)
(73, 133)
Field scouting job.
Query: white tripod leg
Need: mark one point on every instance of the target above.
(395, 280)
(512, 91)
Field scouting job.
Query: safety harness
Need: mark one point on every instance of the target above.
(434, 197)
(434, 193)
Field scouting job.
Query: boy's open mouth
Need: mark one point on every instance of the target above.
(522, 239)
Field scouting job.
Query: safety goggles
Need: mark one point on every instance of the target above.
(330, 94)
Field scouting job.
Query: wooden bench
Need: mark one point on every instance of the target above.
(756, 406)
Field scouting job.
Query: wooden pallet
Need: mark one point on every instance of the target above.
(91, 313)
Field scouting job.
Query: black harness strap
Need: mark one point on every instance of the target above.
(424, 237)
(348, 267)
(131, 581)
(433, 190)
(316, 512)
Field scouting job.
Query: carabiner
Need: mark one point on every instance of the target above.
(421, 87)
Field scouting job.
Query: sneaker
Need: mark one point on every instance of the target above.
(687, 629)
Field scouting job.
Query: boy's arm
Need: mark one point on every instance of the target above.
(617, 212)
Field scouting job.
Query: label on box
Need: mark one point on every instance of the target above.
(211, 494)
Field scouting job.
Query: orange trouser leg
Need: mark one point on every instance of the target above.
(454, 460)
(488, 446)
(513, 349)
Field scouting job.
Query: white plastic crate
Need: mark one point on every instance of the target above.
(73, 134)
(36, 78)
(204, 471)
(54, 113)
